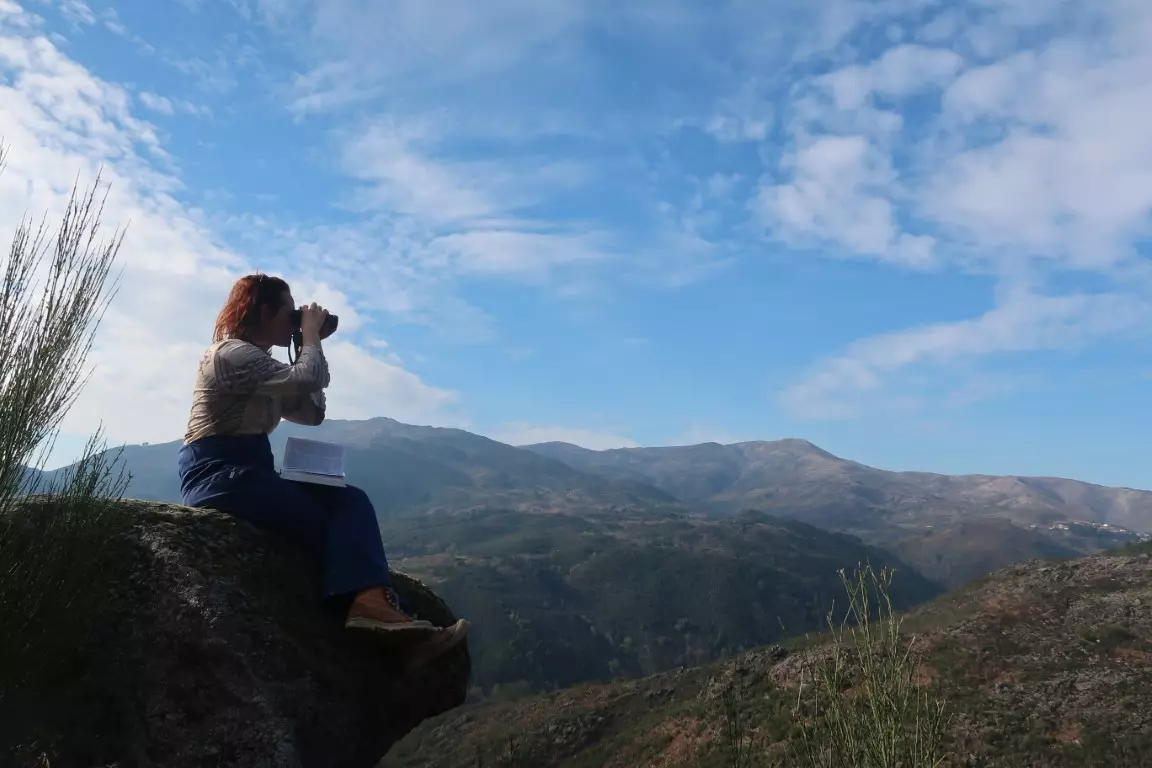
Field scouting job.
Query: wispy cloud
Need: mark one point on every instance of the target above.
(876, 373)
(595, 149)
(77, 12)
(840, 196)
(1029, 164)
(60, 121)
(169, 107)
(405, 44)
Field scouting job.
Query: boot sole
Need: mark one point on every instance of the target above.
(431, 649)
(406, 627)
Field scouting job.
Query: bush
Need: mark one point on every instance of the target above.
(56, 536)
(863, 705)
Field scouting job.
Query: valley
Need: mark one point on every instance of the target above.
(1043, 665)
(557, 601)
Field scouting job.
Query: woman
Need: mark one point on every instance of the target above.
(226, 461)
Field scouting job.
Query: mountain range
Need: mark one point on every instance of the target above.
(827, 490)
(951, 528)
(578, 565)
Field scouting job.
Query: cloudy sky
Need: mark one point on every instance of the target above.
(914, 232)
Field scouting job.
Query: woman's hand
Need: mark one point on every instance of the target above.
(312, 317)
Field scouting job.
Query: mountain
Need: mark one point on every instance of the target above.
(727, 478)
(969, 549)
(1043, 664)
(952, 526)
(559, 600)
(410, 470)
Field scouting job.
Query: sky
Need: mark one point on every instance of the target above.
(916, 233)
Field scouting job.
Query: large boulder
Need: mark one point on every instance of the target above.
(203, 643)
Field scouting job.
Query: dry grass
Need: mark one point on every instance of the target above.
(868, 702)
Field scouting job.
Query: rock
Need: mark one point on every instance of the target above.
(211, 648)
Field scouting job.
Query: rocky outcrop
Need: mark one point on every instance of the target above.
(210, 648)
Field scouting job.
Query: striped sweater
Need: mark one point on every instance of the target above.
(242, 390)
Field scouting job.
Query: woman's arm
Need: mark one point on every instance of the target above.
(307, 410)
(242, 368)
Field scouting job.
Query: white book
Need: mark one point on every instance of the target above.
(313, 461)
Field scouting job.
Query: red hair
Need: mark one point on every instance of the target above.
(242, 310)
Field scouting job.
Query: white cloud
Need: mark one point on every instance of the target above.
(990, 90)
(1071, 177)
(409, 181)
(906, 69)
(431, 220)
(167, 106)
(730, 128)
(157, 103)
(900, 71)
(1036, 170)
(870, 374)
(364, 385)
(745, 116)
(839, 193)
(525, 433)
(511, 253)
(452, 181)
(381, 264)
(395, 43)
(77, 12)
(58, 121)
(410, 171)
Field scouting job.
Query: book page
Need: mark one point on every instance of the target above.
(314, 456)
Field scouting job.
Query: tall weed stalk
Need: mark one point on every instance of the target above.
(864, 704)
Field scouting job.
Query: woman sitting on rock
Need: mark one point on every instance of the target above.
(226, 461)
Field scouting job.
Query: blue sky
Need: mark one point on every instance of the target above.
(913, 232)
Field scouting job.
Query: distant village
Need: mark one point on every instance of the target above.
(1071, 526)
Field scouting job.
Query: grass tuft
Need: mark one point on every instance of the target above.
(863, 702)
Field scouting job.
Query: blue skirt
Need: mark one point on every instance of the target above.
(237, 475)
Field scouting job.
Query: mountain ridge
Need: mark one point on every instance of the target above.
(546, 446)
(949, 521)
(758, 472)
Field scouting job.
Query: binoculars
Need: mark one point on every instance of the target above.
(328, 328)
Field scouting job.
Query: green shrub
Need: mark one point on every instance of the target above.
(55, 537)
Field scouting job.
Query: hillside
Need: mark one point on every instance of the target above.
(1044, 664)
(969, 549)
(954, 523)
(952, 528)
(559, 600)
(410, 470)
(795, 473)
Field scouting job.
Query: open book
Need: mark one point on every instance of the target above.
(313, 461)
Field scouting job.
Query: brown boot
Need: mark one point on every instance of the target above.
(438, 644)
(372, 610)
